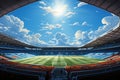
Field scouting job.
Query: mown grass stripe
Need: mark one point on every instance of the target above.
(29, 60)
(54, 62)
(46, 60)
(40, 59)
(25, 59)
(68, 61)
(82, 61)
(58, 60)
(40, 62)
(49, 62)
(86, 60)
(79, 61)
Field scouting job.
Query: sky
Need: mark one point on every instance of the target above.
(49, 23)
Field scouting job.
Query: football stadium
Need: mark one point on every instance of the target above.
(59, 39)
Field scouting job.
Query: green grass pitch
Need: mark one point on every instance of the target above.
(58, 61)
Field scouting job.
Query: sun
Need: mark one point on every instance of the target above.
(59, 10)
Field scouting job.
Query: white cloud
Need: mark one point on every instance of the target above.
(43, 3)
(76, 43)
(80, 4)
(47, 9)
(14, 27)
(48, 32)
(80, 38)
(69, 14)
(109, 23)
(60, 39)
(58, 25)
(113, 14)
(76, 24)
(79, 35)
(85, 24)
(57, 10)
(52, 42)
(14, 24)
(35, 39)
(51, 26)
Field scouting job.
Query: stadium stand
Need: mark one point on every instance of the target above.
(11, 45)
(110, 64)
(115, 59)
(6, 41)
(3, 58)
(25, 66)
(108, 40)
(12, 5)
(108, 5)
(25, 69)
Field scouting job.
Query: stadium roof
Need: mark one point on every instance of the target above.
(8, 40)
(110, 37)
(112, 6)
(7, 6)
